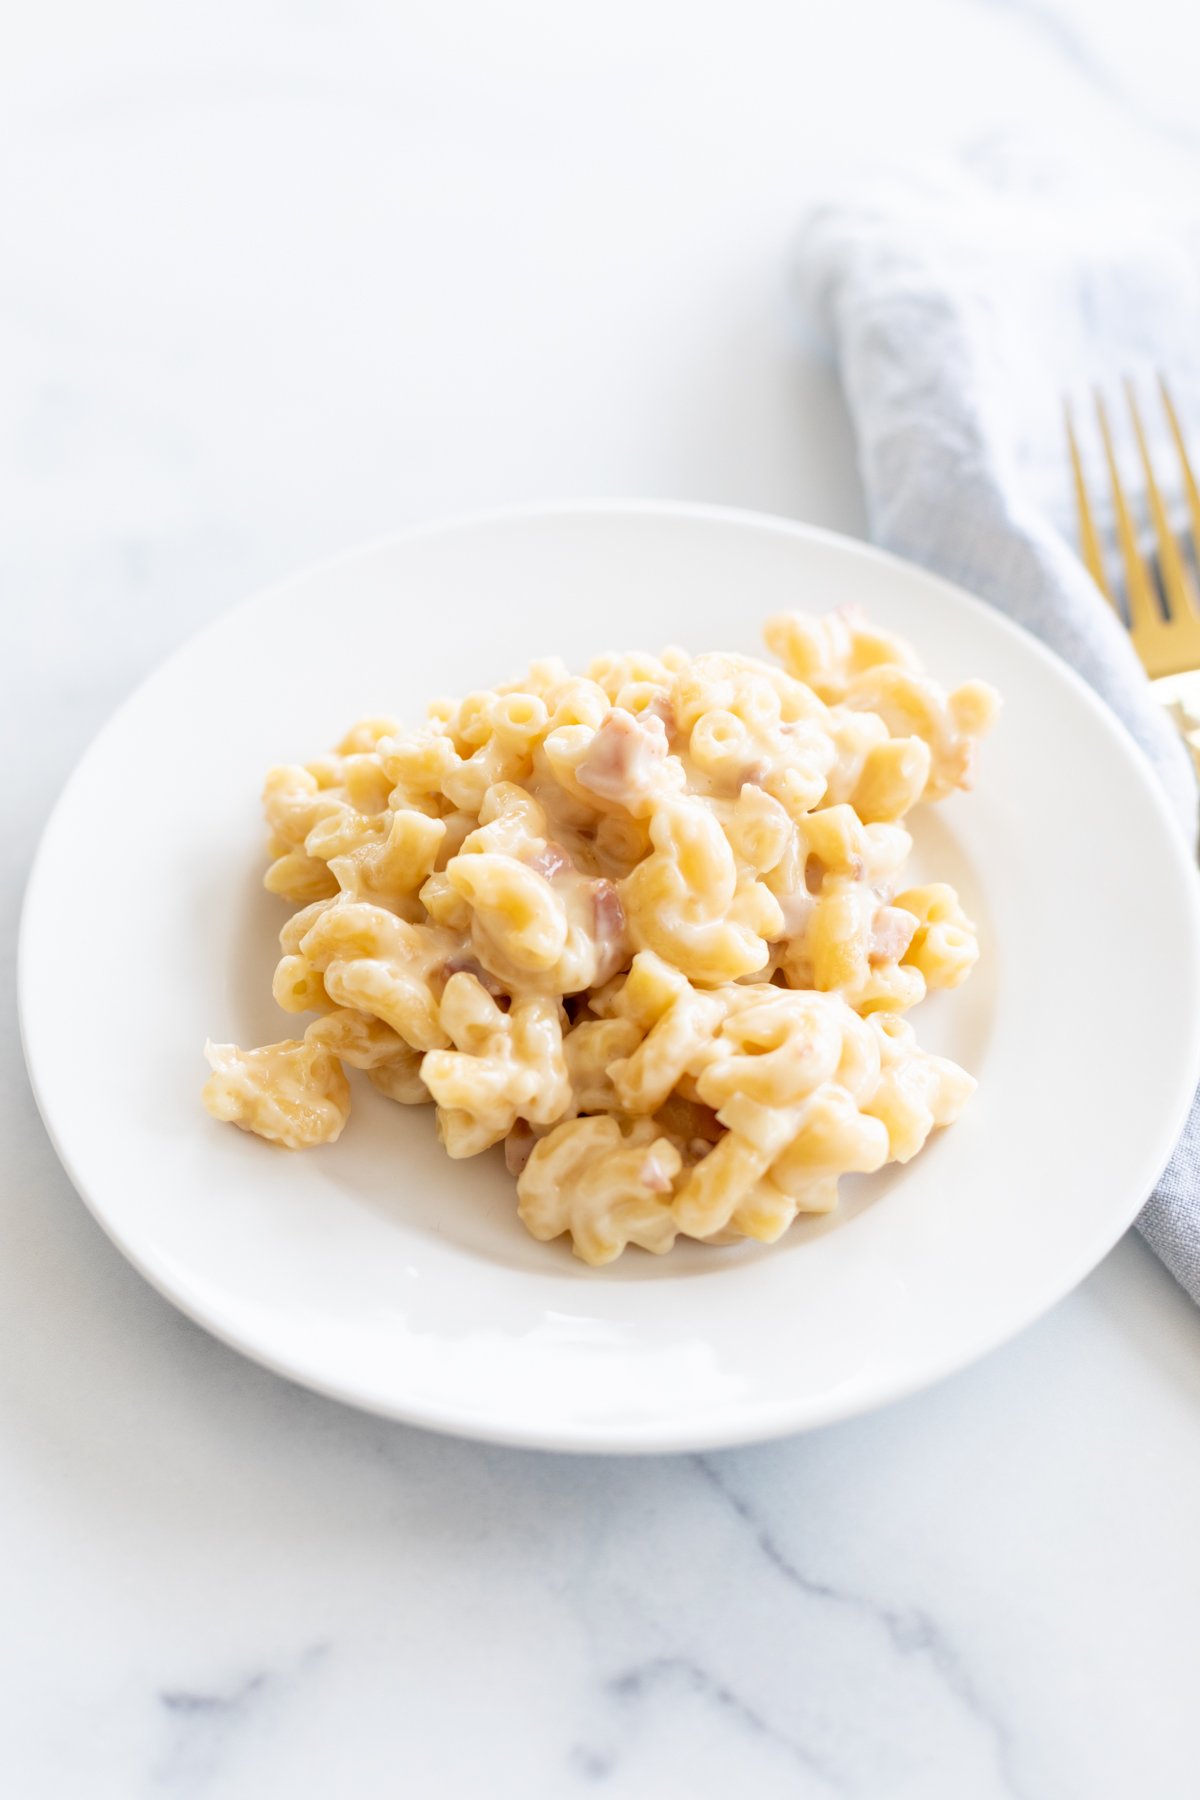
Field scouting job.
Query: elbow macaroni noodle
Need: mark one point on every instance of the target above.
(642, 926)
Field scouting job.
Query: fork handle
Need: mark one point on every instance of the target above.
(1180, 695)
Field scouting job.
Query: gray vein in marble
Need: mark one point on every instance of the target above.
(204, 1722)
(637, 1685)
(181, 1700)
(911, 1631)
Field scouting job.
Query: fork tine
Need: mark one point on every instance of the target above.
(1189, 480)
(1176, 581)
(1144, 614)
(1089, 537)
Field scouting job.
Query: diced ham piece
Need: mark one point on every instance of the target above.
(463, 963)
(609, 931)
(518, 1147)
(548, 860)
(891, 934)
(815, 871)
(654, 1177)
(961, 765)
(623, 757)
(660, 708)
(797, 910)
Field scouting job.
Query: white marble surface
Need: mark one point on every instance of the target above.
(277, 277)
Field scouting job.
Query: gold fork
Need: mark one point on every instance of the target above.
(1165, 635)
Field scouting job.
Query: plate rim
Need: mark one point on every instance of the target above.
(768, 1420)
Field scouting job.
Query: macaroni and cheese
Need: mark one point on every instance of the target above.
(645, 927)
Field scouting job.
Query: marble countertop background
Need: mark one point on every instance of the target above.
(282, 275)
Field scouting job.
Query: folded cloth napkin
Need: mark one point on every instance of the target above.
(960, 307)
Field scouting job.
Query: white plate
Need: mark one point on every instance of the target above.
(378, 1271)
